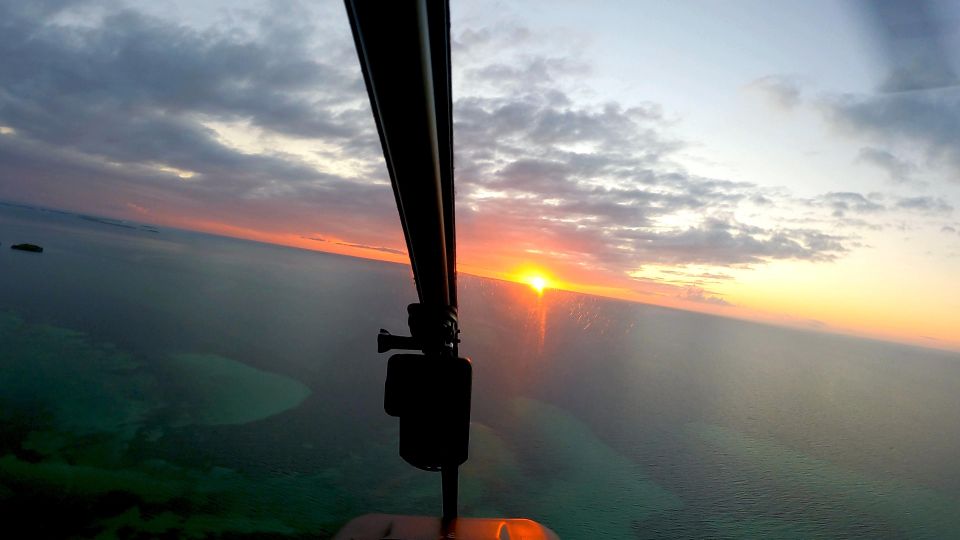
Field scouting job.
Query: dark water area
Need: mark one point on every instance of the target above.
(162, 383)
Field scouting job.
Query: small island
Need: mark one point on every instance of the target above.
(27, 247)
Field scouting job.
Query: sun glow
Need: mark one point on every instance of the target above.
(539, 283)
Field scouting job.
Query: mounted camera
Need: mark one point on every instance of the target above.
(430, 394)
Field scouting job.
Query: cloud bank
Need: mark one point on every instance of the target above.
(257, 120)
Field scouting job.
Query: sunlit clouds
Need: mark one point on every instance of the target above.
(587, 157)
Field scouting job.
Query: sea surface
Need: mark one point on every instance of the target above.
(162, 383)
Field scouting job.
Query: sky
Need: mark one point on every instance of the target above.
(759, 160)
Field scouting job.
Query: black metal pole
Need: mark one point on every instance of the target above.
(404, 54)
(404, 51)
(449, 486)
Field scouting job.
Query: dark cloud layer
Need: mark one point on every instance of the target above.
(118, 113)
(134, 89)
(899, 170)
(106, 115)
(929, 120)
(844, 204)
(353, 245)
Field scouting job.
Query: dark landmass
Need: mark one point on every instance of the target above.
(27, 247)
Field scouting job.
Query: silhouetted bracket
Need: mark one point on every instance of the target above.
(388, 342)
(434, 331)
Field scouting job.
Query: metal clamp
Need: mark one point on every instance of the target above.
(433, 331)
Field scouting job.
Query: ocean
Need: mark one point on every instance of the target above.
(163, 383)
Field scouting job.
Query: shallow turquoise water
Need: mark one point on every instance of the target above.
(175, 384)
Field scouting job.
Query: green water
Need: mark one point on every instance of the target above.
(178, 385)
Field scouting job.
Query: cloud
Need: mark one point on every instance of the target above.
(816, 324)
(697, 294)
(538, 72)
(596, 183)
(926, 204)
(915, 38)
(126, 110)
(897, 169)
(781, 91)
(725, 242)
(928, 120)
(137, 89)
(265, 126)
(361, 246)
(844, 202)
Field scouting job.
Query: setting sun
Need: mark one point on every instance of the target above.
(538, 283)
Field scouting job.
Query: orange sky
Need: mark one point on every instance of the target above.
(781, 295)
(609, 153)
